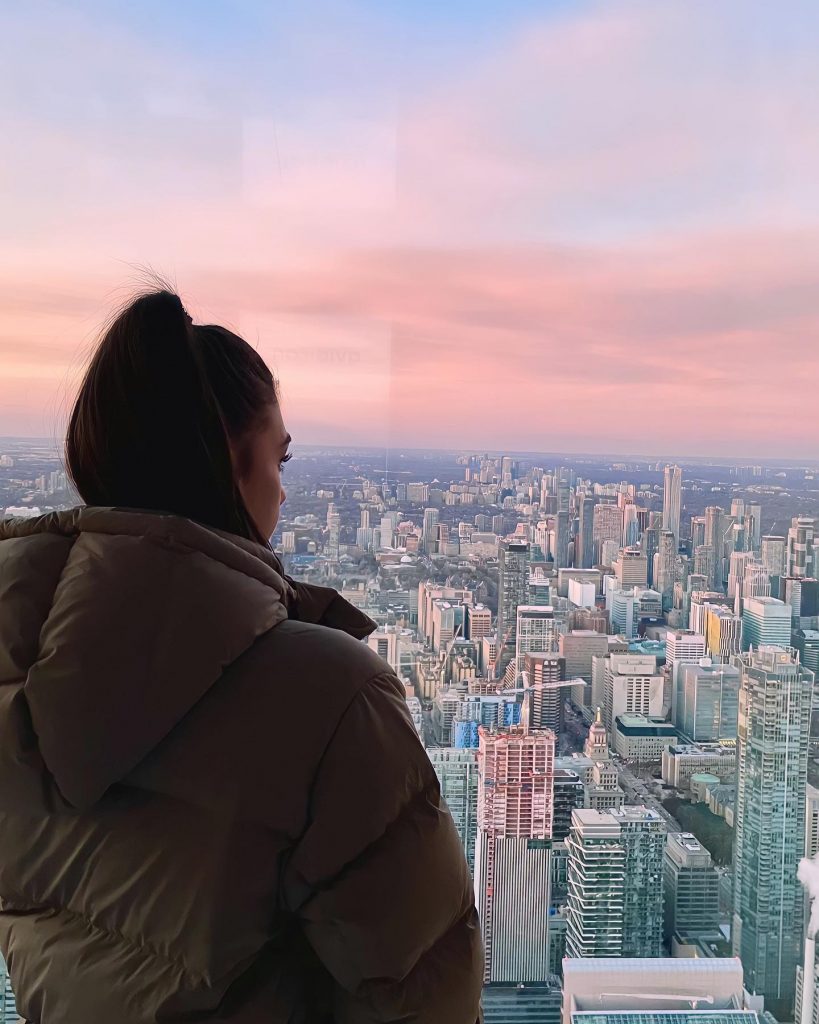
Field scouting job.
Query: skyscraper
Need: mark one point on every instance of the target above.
(755, 582)
(543, 701)
(430, 531)
(708, 702)
(672, 500)
(715, 529)
(773, 554)
(632, 686)
(631, 526)
(561, 546)
(769, 824)
(585, 537)
(608, 526)
(765, 620)
(8, 1013)
(643, 835)
(512, 858)
(615, 880)
(691, 888)
(683, 647)
(650, 544)
(800, 552)
(513, 586)
(457, 771)
(535, 632)
(569, 794)
(753, 525)
(596, 881)
(631, 568)
(723, 633)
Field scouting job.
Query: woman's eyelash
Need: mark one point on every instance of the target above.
(286, 458)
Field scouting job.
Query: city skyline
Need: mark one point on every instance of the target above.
(484, 224)
(692, 459)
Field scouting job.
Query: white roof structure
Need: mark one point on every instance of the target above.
(651, 985)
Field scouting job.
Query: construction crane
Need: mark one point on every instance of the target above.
(552, 685)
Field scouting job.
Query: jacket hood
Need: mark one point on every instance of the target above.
(115, 622)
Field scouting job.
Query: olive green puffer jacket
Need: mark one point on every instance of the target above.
(213, 802)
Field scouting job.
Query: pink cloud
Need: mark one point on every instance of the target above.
(607, 228)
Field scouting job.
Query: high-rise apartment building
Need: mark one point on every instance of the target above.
(512, 858)
(650, 544)
(766, 620)
(543, 700)
(615, 879)
(690, 888)
(457, 772)
(716, 527)
(643, 835)
(429, 535)
(569, 795)
(753, 525)
(596, 883)
(672, 500)
(585, 535)
(561, 544)
(769, 825)
(665, 567)
(513, 585)
(631, 525)
(8, 1012)
(800, 551)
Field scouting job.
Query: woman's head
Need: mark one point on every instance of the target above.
(180, 418)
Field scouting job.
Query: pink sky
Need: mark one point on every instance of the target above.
(600, 232)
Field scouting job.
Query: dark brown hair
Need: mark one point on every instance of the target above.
(160, 401)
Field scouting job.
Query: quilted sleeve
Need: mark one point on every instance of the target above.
(379, 880)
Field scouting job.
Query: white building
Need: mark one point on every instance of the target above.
(631, 989)
(643, 739)
(596, 886)
(632, 686)
(581, 593)
(683, 647)
(766, 621)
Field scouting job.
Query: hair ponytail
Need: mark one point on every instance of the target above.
(157, 409)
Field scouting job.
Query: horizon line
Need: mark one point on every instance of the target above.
(738, 460)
